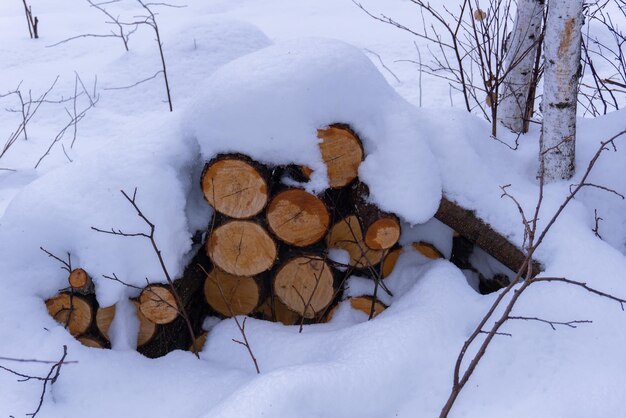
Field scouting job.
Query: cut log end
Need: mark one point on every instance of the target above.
(305, 285)
(199, 342)
(389, 263)
(78, 278)
(298, 217)
(427, 250)
(279, 313)
(71, 311)
(147, 329)
(383, 234)
(241, 248)
(90, 342)
(231, 295)
(347, 235)
(158, 304)
(104, 318)
(234, 188)
(364, 304)
(342, 152)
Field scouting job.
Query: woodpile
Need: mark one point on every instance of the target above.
(265, 255)
(268, 243)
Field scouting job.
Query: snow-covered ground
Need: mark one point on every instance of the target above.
(260, 78)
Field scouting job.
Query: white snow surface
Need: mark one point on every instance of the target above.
(273, 112)
(264, 92)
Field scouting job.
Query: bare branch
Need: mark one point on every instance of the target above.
(50, 378)
(459, 380)
(181, 307)
(241, 326)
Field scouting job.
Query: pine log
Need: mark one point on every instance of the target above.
(305, 284)
(366, 303)
(480, 233)
(80, 282)
(297, 217)
(175, 335)
(489, 285)
(199, 342)
(147, 328)
(427, 250)
(231, 295)
(382, 234)
(381, 229)
(462, 249)
(342, 152)
(158, 304)
(274, 310)
(235, 186)
(91, 342)
(389, 263)
(348, 235)
(241, 248)
(72, 311)
(104, 318)
(363, 304)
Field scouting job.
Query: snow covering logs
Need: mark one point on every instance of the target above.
(272, 251)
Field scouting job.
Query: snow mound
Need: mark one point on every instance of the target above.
(269, 105)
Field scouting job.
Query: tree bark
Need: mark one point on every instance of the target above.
(520, 61)
(561, 74)
(476, 231)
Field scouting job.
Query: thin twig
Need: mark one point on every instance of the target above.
(150, 236)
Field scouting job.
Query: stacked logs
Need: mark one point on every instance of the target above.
(162, 328)
(267, 253)
(269, 243)
(78, 310)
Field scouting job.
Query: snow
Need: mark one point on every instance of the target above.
(273, 113)
(260, 78)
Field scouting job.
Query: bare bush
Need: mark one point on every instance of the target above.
(524, 278)
(603, 88)
(121, 31)
(31, 21)
(180, 308)
(469, 48)
(47, 381)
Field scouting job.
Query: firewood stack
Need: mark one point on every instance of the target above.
(266, 253)
(78, 310)
(269, 243)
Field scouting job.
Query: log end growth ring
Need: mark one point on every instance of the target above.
(383, 234)
(298, 217)
(348, 235)
(231, 295)
(71, 311)
(305, 285)
(342, 152)
(78, 278)
(234, 188)
(158, 304)
(241, 248)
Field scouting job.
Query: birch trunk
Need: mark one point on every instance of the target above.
(520, 61)
(561, 74)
